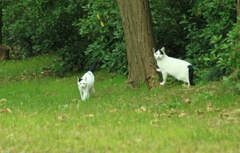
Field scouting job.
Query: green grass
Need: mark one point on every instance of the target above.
(42, 113)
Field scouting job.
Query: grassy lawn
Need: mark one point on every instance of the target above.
(42, 113)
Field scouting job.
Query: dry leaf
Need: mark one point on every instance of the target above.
(218, 109)
(161, 115)
(187, 101)
(172, 111)
(199, 112)
(236, 112)
(90, 116)
(238, 101)
(224, 115)
(230, 119)
(3, 100)
(9, 110)
(24, 77)
(141, 109)
(155, 121)
(183, 114)
(209, 107)
(56, 125)
(5, 110)
(62, 118)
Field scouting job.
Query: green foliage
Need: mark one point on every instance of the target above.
(46, 27)
(168, 32)
(102, 27)
(210, 31)
(204, 33)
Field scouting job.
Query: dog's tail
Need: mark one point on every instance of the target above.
(94, 66)
(190, 74)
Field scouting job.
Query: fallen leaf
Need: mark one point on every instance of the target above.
(24, 77)
(172, 111)
(9, 110)
(236, 112)
(218, 109)
(155, 121)
(90, 116)
(183, 114)
(238, 101)
(3, 100)
(5, 110)
(187, 101)
(161, 115)
(141, 109)
(56, 125)
(224, 115)
(199, 112)
(230, 119)
(62, 117)
(209, 107)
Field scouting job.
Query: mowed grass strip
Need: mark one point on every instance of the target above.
(45, 114)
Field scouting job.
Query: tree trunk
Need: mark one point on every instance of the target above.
(137, 25)
(4, 53)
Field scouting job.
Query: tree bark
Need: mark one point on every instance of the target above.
(137, 25)
(4, 53)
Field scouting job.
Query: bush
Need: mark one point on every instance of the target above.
(209, 28)
(103, 30)
(202, 32)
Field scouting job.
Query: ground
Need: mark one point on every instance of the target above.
(40, 112)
